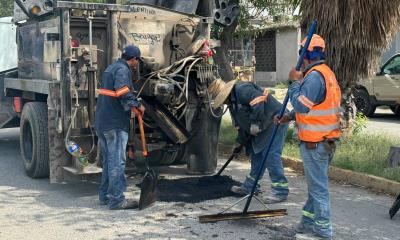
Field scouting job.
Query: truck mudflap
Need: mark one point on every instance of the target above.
(8, 117)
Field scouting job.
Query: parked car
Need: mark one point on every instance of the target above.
(383, 89)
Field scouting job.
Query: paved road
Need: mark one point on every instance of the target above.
(384, 121)
(35, 209)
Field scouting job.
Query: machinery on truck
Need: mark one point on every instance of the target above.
(63, 49)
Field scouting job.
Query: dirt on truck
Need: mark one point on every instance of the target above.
(63, 49)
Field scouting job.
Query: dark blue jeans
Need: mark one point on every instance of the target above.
(279, 183)
(113, 182)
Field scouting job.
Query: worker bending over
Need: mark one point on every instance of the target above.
(252, 110)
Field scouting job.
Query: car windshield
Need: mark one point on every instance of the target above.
(393, 66)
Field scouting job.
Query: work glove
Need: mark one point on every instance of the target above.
(254, 129)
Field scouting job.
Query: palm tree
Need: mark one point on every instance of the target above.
(356, 34)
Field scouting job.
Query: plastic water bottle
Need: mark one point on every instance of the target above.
(76, 151)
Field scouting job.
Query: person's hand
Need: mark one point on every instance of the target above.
(138, 111)
(283, 120)
(295, 75)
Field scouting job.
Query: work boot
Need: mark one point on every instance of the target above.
(127, 204)
(239, 190)
(273, 199)
(103, 202)
(320, 235)
(242, 191)
(304, 236)
(303, 228)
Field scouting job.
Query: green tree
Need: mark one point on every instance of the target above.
(6, 9)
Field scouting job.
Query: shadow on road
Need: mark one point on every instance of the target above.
(385, 117)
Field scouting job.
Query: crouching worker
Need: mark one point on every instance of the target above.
(252, 110)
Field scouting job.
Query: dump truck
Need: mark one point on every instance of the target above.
(63, 49)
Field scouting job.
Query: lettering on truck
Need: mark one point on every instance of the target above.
(146, 38)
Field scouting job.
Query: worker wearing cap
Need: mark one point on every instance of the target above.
(252, 110)
(316, 102)
(113, 111)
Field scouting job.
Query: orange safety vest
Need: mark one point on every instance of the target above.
(323, 120)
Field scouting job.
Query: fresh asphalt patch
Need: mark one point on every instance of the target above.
(195, 189)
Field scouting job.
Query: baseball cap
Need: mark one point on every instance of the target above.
(131, 51)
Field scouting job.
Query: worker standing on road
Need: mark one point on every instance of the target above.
(316, 102)
(113, 113)
(252, 110)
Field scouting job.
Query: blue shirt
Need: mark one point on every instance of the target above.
(260, 114)
(115, 112)
(307, 93)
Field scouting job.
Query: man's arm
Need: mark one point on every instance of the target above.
(307, 94)
(246, 95)
(122, 86)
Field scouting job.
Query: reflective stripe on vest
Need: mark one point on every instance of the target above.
(323, 120)
(319, 128)
(111, 93)
(332, 111)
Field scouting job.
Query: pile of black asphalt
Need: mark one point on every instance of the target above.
(195, 189)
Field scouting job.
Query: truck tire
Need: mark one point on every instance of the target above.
(34, 141)
(396, 110)
(363, 102)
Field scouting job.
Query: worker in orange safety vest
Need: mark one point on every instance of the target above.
(315, 96)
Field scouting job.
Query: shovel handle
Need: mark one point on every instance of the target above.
(142, 137)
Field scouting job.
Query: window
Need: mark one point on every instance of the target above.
(265, 52)
(393, 66)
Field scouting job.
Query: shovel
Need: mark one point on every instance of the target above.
(149, 182)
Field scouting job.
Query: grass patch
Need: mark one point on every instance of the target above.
(282, 85)
(227, 133)
(365, 153)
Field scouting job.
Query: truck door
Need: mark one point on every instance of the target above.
(387, 84)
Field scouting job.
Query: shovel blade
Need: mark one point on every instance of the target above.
(148, 190)
(238, 216)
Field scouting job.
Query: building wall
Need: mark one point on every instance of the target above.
(287, 47)
(284, 56)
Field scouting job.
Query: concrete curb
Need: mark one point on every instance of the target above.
(374, 183)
